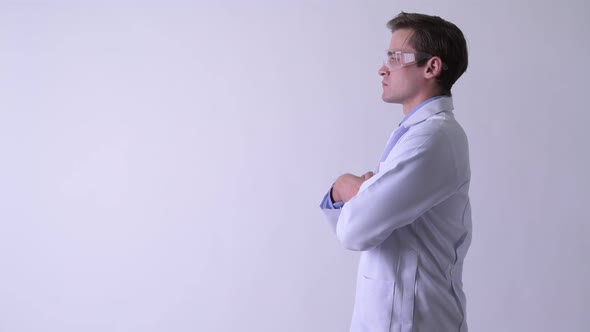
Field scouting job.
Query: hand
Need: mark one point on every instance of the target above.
(347, 186)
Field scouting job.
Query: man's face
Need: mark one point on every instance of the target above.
(401, 85)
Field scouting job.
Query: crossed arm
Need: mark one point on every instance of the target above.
(420, 175)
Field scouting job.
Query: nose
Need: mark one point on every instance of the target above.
(383, 71)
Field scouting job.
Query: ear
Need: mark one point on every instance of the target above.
(433, 68)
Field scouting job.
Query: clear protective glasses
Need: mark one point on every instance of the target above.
(395, 60)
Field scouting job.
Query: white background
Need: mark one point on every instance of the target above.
(162, 162)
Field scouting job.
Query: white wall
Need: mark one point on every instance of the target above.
(162, 162)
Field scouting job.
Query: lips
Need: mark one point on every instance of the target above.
(384, 84)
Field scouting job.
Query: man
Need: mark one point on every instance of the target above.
(411, 218)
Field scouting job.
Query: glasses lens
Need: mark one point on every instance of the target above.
(393, 60)
(397, 59)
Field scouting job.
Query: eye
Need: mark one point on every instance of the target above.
(394, 58)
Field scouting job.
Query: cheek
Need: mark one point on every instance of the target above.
(395, 84)
(397, 79)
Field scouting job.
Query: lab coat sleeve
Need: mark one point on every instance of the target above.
(419, 174)
(331, 210)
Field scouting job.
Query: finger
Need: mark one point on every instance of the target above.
(368, 175)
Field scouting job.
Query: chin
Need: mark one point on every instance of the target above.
(390, 99)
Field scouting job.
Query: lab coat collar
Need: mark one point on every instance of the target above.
(427, 109)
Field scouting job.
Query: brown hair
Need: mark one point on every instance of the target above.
(437, 37)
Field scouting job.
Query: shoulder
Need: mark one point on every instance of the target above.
(438, 131)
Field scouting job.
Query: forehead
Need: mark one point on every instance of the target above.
(400, 40)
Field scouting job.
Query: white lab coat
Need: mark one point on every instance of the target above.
(412, 222)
